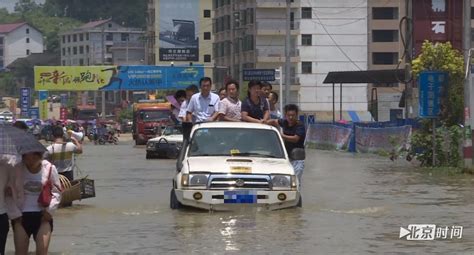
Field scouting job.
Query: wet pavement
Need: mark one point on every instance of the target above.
(352, 204)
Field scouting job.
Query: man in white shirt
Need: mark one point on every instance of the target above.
(203, 106)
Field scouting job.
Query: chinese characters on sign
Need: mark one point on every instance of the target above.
(426, 232)
(80, 78)
(431, 86)
(259, 74)
(25, 101)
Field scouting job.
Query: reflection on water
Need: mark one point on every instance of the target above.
(351, 205)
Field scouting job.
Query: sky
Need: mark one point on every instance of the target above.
(10, 4)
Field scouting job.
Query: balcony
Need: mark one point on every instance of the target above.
(276, 4)
(276, 27)
(130, 45)
(276, 54)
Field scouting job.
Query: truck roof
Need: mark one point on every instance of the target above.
(228, 124)
(151, 105)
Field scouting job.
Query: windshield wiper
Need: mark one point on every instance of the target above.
(250, 154)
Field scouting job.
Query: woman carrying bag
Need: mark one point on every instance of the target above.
(33, 199)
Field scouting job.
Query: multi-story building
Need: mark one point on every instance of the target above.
(102, 42)
(384, 52)
(183, 33)
(251, 34)
(18, 40)
(333, 37)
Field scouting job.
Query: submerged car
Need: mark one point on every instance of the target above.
(225, 165)
(167, 145)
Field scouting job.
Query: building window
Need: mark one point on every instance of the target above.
(207, 58)
(385, 58)
(384, 35)
(124, 37)
(306, 67)
(87, 48)
(207, 13)
(69, 38)
(64, 62)
(74, 38)
(385, 13)
(27, 31)
(292, 21)
(81, 49)
(109, 37)
(64, 51)
(81, 62)
(108, 49)
(306, 13)
(27, 52)
(207, 35)
(306, 40)
(27, 40)
(110, 25)
(87, 36)
(68, 50)
(472, 12)
(74, 50)
(81, 37)
(64, 39)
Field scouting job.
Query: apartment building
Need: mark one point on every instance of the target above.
(18, 40)
(102, 42)
(385, 50)
(250, 34)
(333, 37)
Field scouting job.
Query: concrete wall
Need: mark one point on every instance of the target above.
(16, 45)
(346, 22)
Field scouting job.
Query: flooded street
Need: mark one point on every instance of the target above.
(352, 204)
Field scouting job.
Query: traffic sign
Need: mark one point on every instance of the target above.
(431, 86)
(259, 74)
(33, 113)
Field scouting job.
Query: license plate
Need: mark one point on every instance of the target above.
(240, 197)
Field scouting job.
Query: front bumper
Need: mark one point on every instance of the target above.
(163, 149)
(214, 199)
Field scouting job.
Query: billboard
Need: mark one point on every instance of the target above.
(116, 77)
(179, 30)
(431, 85)
(69, 78)
(437, 21)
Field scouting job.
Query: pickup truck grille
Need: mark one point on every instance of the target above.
(225, 182)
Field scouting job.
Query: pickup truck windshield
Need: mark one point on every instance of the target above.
(154, 115)
(244, 142)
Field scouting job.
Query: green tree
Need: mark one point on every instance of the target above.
(89, 10)
(443, 57)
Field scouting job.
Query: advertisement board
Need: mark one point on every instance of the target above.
(179, 30)
(116, 77)
(25, 101)
(43, 104)
(431, 86)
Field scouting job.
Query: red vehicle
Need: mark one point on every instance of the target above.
(148, 117)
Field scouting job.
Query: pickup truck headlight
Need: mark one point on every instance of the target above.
(281, 182)
(195, 180)
(150, 145)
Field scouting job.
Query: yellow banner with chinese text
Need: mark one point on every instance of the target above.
(73, 78)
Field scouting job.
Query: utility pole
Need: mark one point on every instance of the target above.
(232, 39)
(286, 98)
(408, 58)
(467, 81)
(102, 62)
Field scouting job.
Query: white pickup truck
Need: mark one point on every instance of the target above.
(224, 165)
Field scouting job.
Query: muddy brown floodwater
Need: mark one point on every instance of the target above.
(352, 204)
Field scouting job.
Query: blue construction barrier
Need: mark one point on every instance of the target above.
(360, 136)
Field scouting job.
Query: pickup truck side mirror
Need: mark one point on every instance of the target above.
(298, 154)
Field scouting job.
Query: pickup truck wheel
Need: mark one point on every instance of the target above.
(300, 202)
(148, 156)
(174, 203)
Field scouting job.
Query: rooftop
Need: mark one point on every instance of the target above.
(93, 24)
(7, 28)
